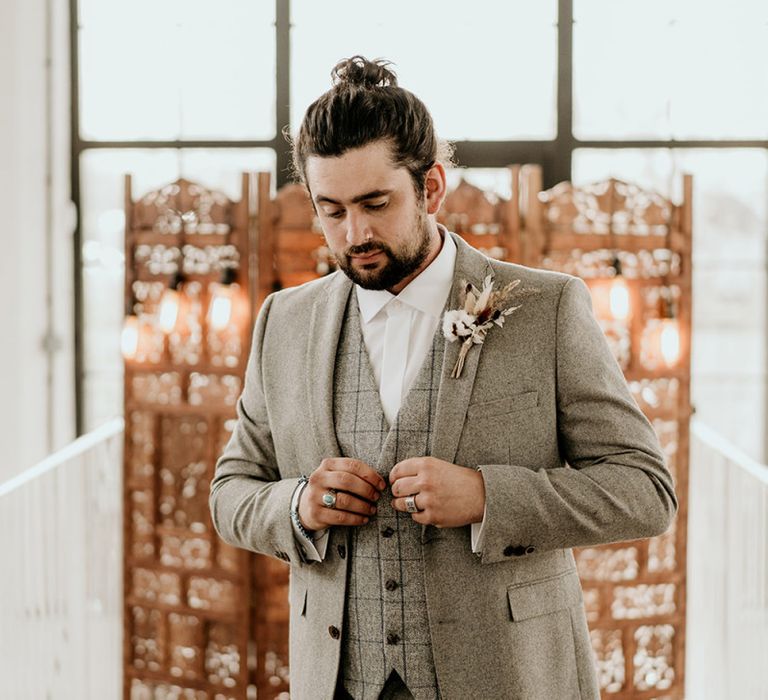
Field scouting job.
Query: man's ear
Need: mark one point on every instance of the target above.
(435, 188)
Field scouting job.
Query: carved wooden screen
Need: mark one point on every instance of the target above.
(634, 591)
(486, 221)
(300, 251)
(194, 606)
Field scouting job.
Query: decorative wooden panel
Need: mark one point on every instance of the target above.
(485, 220)
(197, 624)
(300, 251)
(634, 591)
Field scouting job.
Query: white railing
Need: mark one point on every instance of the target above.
(61, 573)
(727, 607)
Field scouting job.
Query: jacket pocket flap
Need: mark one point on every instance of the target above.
(507, 404)
(544, 596)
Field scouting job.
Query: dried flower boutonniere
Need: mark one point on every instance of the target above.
(480, 310)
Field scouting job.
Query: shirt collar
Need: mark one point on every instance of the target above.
(426, 293)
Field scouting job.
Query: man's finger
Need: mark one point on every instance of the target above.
(314, 515)
(399, 504)
(353, 504)
(346, 481)
(405, 486)
(408, 467)
(361, 469)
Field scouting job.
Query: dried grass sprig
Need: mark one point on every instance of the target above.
(479, 310)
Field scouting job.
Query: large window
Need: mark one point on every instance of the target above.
(586, 88)
(176, 69)
(459, 58)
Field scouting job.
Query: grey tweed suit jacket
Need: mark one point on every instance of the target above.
(567, 457)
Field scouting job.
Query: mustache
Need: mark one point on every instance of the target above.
(366, 248)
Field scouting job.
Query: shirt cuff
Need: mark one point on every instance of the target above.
(314, 548)
(477, 534)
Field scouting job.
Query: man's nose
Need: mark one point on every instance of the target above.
(358, 229)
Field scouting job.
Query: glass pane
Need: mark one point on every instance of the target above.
(103, 228)
(730, 220)
(483, 75)
(621, 77)
(721, 70)
(664, 70)
(177, 69)
(651, 168)
(496, 180)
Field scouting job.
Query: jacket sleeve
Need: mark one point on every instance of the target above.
(615, 486)
(249, 501)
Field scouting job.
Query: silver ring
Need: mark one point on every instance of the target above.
(410, 504)
(329, 498)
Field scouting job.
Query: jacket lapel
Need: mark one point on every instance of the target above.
(453, 394)
(322, 342)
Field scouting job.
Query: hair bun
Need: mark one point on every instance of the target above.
(359, 71)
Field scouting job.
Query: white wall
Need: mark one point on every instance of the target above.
(36, 393)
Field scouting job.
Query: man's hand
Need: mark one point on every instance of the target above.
(358, 487)
(448, 495)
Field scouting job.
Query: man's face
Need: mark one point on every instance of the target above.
(372, 220)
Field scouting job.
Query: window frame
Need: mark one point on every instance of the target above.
(555, 156)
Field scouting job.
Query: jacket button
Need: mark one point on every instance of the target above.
(387, 532)
(334, 632)
(393, 638)
(530, 549)
(342, 551)
(390, 585)
(516, 551)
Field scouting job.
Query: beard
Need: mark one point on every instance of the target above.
(399, 263)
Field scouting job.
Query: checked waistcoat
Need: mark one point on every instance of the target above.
(385, 619)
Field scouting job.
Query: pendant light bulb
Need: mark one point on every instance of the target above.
(129, 338)
(220, 311)
(222, 301)
(669, 341)
(619, 293)
(170, 302)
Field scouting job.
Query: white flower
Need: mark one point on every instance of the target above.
(480, 310)
(458, 324)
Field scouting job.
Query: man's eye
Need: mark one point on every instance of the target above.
(376, 206)
(334, 214)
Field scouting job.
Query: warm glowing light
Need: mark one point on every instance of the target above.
(169, 310)
(129, 339)
(220, 309)
(619, 298)
(669, 341)
(660, 345)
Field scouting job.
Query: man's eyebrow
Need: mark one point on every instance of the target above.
(322, 199)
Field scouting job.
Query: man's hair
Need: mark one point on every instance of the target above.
(366, 105)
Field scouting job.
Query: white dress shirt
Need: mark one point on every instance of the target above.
(398, 332)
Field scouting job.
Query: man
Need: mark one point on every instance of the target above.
(428, 504)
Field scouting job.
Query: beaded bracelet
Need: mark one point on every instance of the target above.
(303, 481)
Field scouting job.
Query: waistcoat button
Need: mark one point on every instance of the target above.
(387, 532)
(334, 632)
(393, 638)
(390, 585)
(342, 551)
